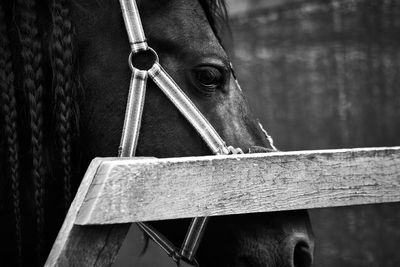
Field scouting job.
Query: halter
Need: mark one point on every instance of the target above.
(132, 122)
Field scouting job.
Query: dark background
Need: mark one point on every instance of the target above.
(325, 74)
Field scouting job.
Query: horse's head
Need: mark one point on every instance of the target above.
(184, 35)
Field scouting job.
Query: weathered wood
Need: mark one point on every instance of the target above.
(86, 245)
(328, 77)
(128, 190)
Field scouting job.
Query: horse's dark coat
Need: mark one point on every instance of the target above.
(184, 33)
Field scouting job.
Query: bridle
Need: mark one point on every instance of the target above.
(133, 115)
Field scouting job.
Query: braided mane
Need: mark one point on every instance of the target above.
(33, 162)
(39, 124)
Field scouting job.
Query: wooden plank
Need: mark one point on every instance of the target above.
(86, 245)
(156, 189)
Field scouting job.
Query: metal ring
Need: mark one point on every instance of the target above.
(156, 60)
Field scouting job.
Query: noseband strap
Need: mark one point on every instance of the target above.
(133, 115)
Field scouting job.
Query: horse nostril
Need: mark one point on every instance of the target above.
(302, 255)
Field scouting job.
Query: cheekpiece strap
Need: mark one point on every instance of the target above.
(133, 25)
(138, 43)
(133, 115)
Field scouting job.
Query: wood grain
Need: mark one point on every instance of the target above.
(128, 190)
(86, 245)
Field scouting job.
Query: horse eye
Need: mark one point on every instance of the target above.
(208, 78)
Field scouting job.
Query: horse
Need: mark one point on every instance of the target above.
(64, 82)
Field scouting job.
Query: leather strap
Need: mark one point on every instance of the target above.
(131, 128)
(188, 109)
(133, 114)
(133, 25)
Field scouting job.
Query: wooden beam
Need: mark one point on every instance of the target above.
(118, 191)
(86, 245)
(128, 190)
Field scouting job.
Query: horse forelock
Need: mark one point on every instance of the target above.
(217, 15)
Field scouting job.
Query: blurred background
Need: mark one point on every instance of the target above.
(326, 74)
